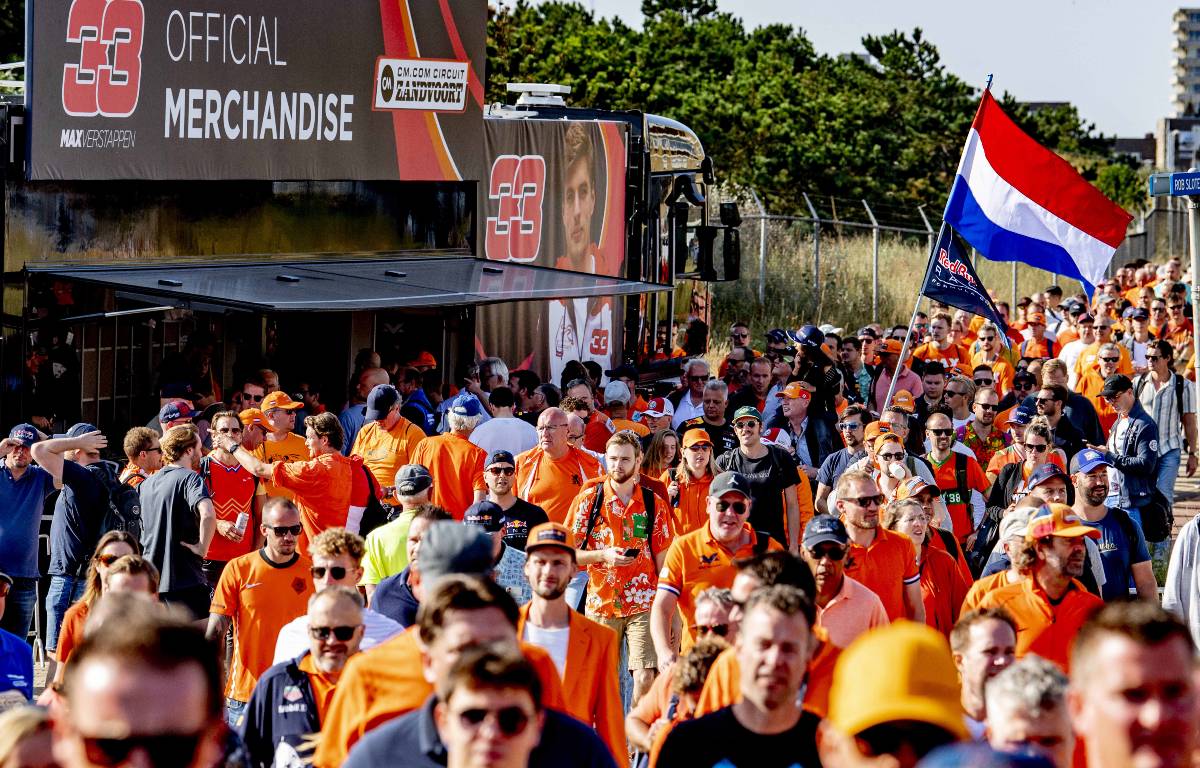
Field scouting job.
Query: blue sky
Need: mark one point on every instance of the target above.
(1112, 58)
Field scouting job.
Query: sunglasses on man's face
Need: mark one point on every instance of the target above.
(941, 432)
(1109, 359)
(285, 530)
(830, 551)
(867, 501)
(987, 338)
(1175, 307)
(848, 426)
(738, 507)
(336, 572)
(509, 720)
(1152, 358)
(983, 382)
(506, 471)
(987, 406)
(892, 456)
(720, 630)
(1044, 400)
(246, 396)
(161, 750)
(341, 634)
(1023, 385)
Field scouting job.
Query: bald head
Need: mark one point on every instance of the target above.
(369, 379)
(552, 432)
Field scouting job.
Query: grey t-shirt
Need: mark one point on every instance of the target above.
(169, 517)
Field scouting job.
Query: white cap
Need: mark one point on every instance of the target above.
(617, 392)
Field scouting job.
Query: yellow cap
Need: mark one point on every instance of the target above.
(900, 672)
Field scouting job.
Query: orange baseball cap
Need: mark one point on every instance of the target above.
(890, 347)
(1036, 317)
(696, 437)
(794, 390)
(903, 400)
(279, 399)
(1058, 520)
(874, 430)
(913, 486)
(553, 535)
(425, 359)
(253, 417)
(886, 437)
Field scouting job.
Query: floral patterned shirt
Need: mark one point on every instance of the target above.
(983, 447)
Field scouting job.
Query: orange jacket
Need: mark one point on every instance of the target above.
(589, 680)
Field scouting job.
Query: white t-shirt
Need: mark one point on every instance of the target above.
(294, 640)
(552, 641)
(685, 410)
(506, 433)
(1069, 354)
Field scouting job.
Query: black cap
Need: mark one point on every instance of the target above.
(500, 457)
(623, 371)
(1115, 385)
(485, 514)
(729, 482)
(867, 330)
(411, 479)
(380, 401)
(824, 528)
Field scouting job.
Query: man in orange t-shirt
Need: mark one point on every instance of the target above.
(948, 465)
(954, 357)
(1049, 605)
(331, 490)
(458, 612)
(883, 561)
(454, 461)
(702, 559)
(282, 443)
(387, 440)
(552, 473)
(257, 595)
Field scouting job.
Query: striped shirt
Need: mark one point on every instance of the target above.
(1163, 408)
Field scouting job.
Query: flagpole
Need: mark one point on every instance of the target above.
(912, 321)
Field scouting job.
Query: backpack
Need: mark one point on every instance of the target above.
(374, 513)
(124, 511)
(597, 504)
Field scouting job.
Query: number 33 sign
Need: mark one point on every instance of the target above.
(107, 78)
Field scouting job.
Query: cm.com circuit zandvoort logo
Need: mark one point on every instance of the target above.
(105, 80)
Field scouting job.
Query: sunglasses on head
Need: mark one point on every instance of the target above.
(336, 572)
(509, 720)
(738, 507)
(832, 551)
(502, 470)
(341, 634)
(163, 750)
(284, 530)
(720, 630)
(867, 501)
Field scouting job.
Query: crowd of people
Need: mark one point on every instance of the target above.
(829, 548)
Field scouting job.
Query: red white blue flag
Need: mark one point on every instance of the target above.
(1015, 200)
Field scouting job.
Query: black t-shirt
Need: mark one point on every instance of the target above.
(517, 521)
(768, 477)
(169, 517)
(720, 741)
(78, 513)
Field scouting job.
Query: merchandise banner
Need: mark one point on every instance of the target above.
(270, 89)
(554, 197)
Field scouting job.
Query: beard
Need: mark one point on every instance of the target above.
(550, 593)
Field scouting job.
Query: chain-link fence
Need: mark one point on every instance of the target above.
(849, 262)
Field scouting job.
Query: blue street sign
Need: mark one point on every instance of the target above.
(1175, 184)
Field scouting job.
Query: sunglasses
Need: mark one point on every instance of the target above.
(163, 750)
(740, 335)
(738, 507)
(955, 393)
(506, 471)
(1158, 309)
(983, 382)
(941, 432)
(509, 720)
(252, 398)
(1175, 306)
(892, 456)
(230, 431)
(1022, 385)
(1036, 447)
(1109, 359)
(848, 426)
(720, 630)
(1152, 358)
(107, 560)
(284, 530)
(867, 501)
(1044, 400)
(341, 634)
(987, 406)
(745, 424)
(336, 572)
(987, 338)
(155, 449)
(831, 551)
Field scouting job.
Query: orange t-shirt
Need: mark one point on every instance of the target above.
(641, 430)
(954, 357)
(553, 484)
(959, 508)
(885, 568)
(1180, 335)
(980, 589)
(697, 561)
(1042, 628)
(323, 489)
(690, 512)
(1090, 386)
(723, 686)
(656, 701)
(1088, 361)
(457, 468)
(621, 590)
(260, 597)
(1032, 347)
(943, 589)
(323, 685)
(1002, 371)
(387, 681)
(291, 448)
(71, 633)
(385, 451)
(232, 489)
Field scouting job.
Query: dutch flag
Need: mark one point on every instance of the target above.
(1015, 200)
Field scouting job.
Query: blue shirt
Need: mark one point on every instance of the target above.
(1121, 545)
(78, 513)
(16, 671)
(352, 418)
(21, 504)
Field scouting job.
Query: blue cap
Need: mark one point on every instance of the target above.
(25, 434)
(500, 457)
(486, 515)
(82, 428)
(467, 405)
(1020, 416)
(809, 336)
(176, 410)
(380, 401)
(824, 528)
(1043, 473)
(1088, 459)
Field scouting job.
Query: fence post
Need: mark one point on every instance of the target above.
(816, 253)
(928, 228)
(874, 263)
(762, 247)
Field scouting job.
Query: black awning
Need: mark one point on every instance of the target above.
(341, 285)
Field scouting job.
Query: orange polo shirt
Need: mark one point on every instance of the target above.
(723, 686)
(1090, 386)
(457, 468)
(553, 484)
(384, 451)
(690, 512)
(260, 597)
(1042, 628)
(981, 588)
(387, 681)
(885, 568)
(697, 561)
(323, 685)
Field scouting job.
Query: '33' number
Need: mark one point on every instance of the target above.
(518, 182)
(107, 78)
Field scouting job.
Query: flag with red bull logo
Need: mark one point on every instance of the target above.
(951, 279)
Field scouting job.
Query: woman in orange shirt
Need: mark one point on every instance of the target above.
(942, 585)
(112, 547)
(687, 484)
(662, 454)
